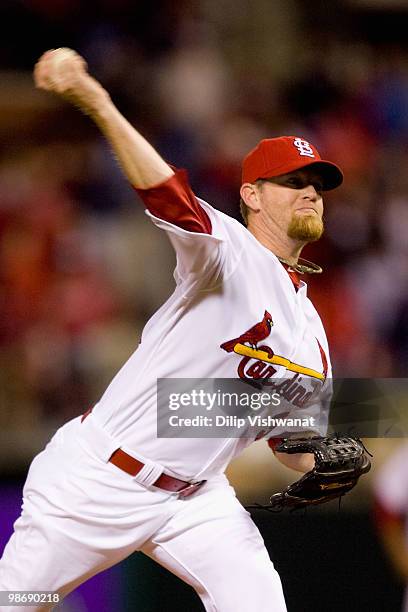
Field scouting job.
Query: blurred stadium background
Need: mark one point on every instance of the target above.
(81, 268)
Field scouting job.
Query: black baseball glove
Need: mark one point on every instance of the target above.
(339, 463)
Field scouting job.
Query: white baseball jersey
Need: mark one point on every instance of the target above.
(235, 313)
(225, 282)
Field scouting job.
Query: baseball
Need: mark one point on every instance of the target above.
(62, 53)
(59, 70)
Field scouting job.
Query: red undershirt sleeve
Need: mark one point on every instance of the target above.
(174, 201)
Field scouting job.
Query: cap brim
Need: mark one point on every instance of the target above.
(331, 174)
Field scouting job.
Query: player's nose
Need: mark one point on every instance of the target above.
(311, 194)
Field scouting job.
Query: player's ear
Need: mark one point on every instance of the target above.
(250, 194)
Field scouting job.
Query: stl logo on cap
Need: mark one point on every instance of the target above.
(303, 147)
(278, 156)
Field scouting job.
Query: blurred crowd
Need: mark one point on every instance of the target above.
(81, 268)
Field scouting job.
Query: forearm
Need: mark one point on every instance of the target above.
(141, 163)
(171, 200)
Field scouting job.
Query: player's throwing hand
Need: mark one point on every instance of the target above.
(64, 72)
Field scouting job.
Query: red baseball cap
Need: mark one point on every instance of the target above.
(276, 156)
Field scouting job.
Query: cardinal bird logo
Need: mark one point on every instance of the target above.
(252, 336)
(257, 362)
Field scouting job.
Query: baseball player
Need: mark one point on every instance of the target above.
(106, 485)
(391, 511)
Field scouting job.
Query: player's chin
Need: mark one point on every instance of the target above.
(306, 227)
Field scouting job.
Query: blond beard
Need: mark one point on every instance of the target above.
(307, 228)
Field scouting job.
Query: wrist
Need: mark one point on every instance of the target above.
(300, 462)
(92, 100)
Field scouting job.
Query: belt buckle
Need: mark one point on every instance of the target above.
(190, 489)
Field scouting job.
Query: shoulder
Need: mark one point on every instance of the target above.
(221, 219)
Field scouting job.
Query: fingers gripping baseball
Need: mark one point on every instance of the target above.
(64, 72)
(60, 70)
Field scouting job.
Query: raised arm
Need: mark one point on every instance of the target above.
(64, 72)
(166, 193)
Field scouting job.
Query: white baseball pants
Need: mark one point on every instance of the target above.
(81, 515)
